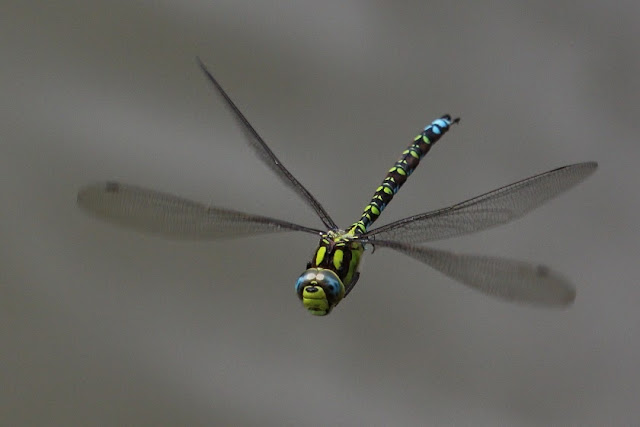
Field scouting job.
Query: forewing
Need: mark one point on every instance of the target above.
(172, 216)
(488, 210)
(503, 278)
(264, 152)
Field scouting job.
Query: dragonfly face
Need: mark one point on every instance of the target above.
(320, 290)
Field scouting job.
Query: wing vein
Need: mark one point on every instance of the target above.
(172, 216)
(488, 210)
(267, 156)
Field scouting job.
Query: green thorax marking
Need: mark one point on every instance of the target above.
(339, 253)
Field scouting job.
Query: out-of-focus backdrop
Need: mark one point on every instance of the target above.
(102, 326)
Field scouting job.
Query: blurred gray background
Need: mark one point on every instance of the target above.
(102, 326)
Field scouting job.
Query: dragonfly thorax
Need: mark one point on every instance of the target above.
(331, 273)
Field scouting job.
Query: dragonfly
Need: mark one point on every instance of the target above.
(333, 270)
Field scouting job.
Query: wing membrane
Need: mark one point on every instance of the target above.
(172, 216)
(488, 210)
(264, 152)
(503, 278)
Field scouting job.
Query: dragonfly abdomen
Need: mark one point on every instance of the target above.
(402, 169)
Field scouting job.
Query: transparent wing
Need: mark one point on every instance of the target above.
(264, 152)
(488, 210)
(507, 279)
(172, 216)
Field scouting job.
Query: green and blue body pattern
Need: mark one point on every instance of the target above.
(333, 271)
(403, 168)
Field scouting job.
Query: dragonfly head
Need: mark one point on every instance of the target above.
(319, 290)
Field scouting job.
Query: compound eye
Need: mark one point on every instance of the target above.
(334, 288)
(329, 283)
(306, 278)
